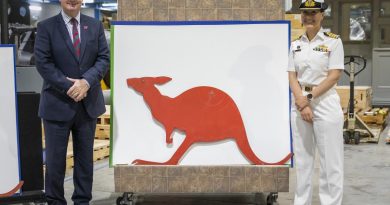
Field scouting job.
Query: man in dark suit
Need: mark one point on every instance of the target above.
(72, 57)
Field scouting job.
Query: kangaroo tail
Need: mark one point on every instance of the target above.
(245, 148)
(13, 191)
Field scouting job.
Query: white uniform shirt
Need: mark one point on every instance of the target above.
(313, 59)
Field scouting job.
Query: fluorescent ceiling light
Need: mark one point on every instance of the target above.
(88, 1)
(109, 4)
(35, 8)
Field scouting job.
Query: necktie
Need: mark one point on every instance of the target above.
(76, 38)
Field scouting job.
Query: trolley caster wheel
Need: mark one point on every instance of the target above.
(346, 137)
(272, 198)
(119, 200)
(125, 199)
(356, 137)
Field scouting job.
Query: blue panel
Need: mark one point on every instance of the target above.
(97, 12)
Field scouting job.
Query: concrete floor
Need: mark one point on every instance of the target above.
(367, 181)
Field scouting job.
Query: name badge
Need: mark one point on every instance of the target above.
(297, 49)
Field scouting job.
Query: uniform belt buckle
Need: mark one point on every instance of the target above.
(308, 89)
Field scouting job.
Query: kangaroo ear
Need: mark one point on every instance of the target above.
(161, 80)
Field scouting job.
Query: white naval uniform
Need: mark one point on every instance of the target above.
(312, 60)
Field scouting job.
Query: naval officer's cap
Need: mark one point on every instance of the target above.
(313, 5)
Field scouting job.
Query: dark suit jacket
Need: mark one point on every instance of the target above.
(56, 59)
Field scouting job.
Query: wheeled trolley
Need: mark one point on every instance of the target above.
(354, 127)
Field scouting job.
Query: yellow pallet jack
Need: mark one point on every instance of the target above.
(354, 127)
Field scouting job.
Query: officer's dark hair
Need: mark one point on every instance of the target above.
(324, 6)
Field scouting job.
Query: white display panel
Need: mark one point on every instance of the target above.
(9, 153)
(247, 61)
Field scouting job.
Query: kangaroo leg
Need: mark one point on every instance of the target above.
(245, 148)
(174, 159)
(168, 133)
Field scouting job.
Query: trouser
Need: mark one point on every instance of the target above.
(325, 134)
(57, 135)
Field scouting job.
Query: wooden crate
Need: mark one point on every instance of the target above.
(43, 137)
(105, 118)
(102, 132)
(69, 156)
(374, 115)
(101, 150)
(69, 162)
(363, 96)
(103, 125)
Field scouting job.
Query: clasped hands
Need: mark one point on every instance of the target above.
(303, 105)
(79, 89)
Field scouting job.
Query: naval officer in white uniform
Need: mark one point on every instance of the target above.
(316, 61)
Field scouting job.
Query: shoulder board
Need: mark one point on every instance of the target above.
(295, 39)
(331, 35)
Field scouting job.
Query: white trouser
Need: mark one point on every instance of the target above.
(325, 134)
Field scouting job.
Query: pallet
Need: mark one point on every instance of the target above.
(101, 150)
(103, 125)
(374, 115)
(376, 131)
(387, 137)
(369, 132)
(102, 132)
(105, 118)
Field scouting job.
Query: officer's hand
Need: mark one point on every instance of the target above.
(307, 114)
(301, 102)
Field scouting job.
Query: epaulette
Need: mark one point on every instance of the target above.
(295, 39)
(331, 35)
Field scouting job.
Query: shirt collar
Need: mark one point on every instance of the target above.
(68, 18)
(320, 34)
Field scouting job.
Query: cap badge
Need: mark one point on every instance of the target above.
(310, 3)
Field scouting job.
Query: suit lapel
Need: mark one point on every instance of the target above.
(65, 35)
(84, 37)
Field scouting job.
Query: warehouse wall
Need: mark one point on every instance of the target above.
(192, 10)
(49, 10)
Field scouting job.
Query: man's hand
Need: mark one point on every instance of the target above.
(79, 89)
(301, 102)
(307, 114)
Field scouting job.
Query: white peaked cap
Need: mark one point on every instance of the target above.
(318, 1)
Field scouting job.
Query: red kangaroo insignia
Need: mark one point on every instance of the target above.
(205, 114)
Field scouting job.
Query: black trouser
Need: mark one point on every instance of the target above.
(57, 136)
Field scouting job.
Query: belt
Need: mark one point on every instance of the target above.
(308, 88)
